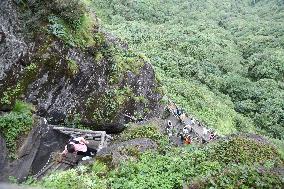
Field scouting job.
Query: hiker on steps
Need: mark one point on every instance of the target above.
(79, 146)
(169, 128)
(185, 136)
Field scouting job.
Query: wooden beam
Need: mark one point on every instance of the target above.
(76, 130)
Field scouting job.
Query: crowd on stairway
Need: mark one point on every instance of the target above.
(189, 128)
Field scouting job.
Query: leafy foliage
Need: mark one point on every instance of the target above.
(240, 150)
(80, 36)
(11, 93)
(22, 107)
(71, 11)
(72, 66)
(172, 170)
(69, 20)
(82, 177)
(140, 131)
(240, 177)
(16, 123)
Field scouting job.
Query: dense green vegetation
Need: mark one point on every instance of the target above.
(223, 61)
(71, 21)
(241, 177)
(171, 170)
(82, 177)
(15, 124)
(201, 167)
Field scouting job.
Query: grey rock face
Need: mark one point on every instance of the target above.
(12, 46)
(63, 81)
(51, 141)
(3, 154)
(13, 186)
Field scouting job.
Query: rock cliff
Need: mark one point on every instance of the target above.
(96, 83)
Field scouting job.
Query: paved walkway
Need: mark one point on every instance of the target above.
(183, 124)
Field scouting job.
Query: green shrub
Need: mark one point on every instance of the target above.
(13, 92)
(81, 36)
(73, 67)
(70, 20)
(240, 150)
(140, 131)
(279, 145)
(70, 10)
(81, 177)
(15, 124)
(226, 164)
(23, 107)
(240, 177)
(152, 171)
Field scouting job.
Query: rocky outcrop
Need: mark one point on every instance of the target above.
(95, 84)
(34, 151)
(3, 154)
(12, 48)
(13, 186)
(122, 151)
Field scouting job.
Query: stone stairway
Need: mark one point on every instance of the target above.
(178, 123)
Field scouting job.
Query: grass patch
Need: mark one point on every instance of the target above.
(80, 36)
(23, 107)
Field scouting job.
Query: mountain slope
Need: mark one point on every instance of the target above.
(221, 60)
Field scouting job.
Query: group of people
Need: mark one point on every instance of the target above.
(184, 135)
(187, 133)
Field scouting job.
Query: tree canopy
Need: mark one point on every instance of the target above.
(222, 60)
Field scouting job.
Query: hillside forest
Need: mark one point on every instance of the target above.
(223, 61)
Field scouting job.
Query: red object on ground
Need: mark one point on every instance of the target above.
(187, 140)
